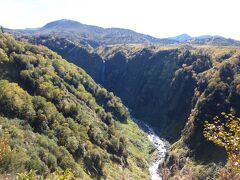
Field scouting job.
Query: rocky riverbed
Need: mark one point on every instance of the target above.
(160, 149)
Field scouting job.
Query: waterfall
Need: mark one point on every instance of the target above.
(103, 72)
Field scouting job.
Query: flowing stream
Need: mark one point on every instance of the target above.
(161, 148)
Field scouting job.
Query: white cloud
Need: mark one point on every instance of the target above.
(160, 18)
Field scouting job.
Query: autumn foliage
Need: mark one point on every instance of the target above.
(225, 132)
(4, 148)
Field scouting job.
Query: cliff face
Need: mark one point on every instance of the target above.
(173, 88)
(146, 84)
(176, 90)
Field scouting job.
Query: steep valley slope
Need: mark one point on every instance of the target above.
(54, 117)
(174, 88)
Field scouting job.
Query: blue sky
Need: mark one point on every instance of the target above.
(159, 18)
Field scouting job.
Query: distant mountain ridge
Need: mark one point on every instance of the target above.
(205, 40)
(181, 38)
(95, 36)
(88, 34)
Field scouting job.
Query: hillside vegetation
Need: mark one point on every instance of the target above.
(174, 88)
(53, 117)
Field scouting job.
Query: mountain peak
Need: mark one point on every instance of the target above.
(63, 23)
(182, 37)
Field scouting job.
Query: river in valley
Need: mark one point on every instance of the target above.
(161, 148)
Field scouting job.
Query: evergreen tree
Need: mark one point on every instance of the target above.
(2, 31)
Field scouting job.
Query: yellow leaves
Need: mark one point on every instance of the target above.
(64, 175)
(57, 175)
(3, 56)
(13, 99)
(4, 148)
(46, 89)
(226, 135)
(31, 175)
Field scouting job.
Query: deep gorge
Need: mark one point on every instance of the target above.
(174, 89)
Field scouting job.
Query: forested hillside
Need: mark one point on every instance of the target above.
(81, 56)
(54, 117)
(174, 88)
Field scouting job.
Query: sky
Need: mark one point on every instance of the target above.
(158, 18)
